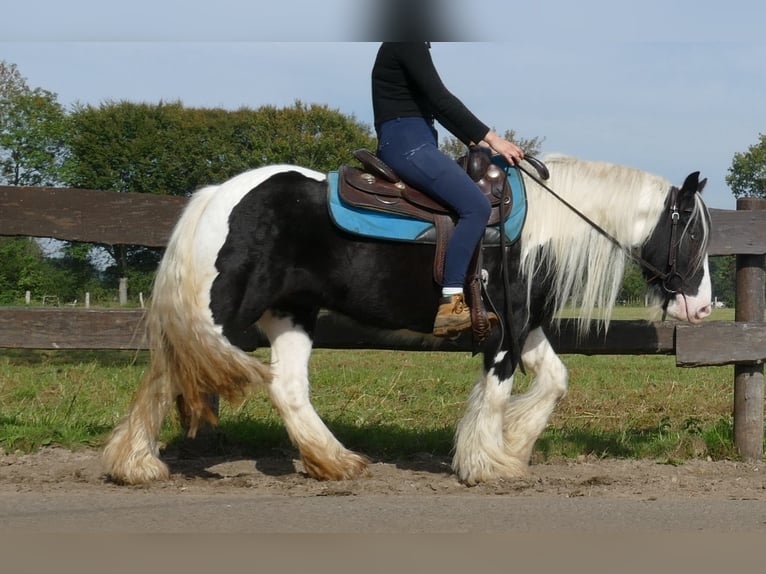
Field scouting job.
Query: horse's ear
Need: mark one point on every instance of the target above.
(691, 183)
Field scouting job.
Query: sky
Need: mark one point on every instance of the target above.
(669, 87)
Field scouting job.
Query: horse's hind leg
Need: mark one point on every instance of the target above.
(132, 454)
(323, 456)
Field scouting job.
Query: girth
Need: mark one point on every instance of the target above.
(378, 188)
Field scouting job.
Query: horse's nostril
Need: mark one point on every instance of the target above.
(704, 312)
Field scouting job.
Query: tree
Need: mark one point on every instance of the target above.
(11, 80)
(32, 124)
(166, 148)
(314, 136)
(455, 148)
(169, 149)
(723, 271)
(31, 153)
(633, 285)
(747, 174)
(127, 147)
(25, 268)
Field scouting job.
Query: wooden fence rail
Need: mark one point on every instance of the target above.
(141, 219)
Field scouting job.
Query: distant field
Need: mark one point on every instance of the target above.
(651, 314)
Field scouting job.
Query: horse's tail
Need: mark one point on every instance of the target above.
(190, 357)
(187, 347)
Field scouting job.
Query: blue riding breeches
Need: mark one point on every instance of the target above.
(409, 147)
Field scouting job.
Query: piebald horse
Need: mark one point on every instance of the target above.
(259, 254)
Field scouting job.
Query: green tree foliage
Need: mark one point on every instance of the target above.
(455, 148)
(32, 125)
(167, 148)
(313, 136)
(23, 267)
(723, 271)
(747, 174)
(633, 285)
(11, 80)
(126, 147)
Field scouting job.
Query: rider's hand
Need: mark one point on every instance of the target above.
(509, 150)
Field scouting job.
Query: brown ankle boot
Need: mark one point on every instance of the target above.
(453, 316)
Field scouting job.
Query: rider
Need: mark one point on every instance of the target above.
(407, 96)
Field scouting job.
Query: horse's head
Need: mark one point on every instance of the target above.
(676, 253)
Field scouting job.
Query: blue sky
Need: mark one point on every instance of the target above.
(669, 89)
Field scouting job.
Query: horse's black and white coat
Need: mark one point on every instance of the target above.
(259, 252)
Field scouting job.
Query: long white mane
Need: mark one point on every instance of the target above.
(586, 268)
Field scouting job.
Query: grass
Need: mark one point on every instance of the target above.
(387, 404)
(66, 398)
(642, 407)
(390, 404)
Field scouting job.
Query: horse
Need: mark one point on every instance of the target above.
(260, 254)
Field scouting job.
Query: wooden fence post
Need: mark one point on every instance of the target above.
(123, 291)
(748, 378)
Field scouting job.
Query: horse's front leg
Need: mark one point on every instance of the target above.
(323, 456)
(480, 454)
(496, 436)
(527, 414)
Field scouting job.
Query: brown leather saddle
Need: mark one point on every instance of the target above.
(377, 187)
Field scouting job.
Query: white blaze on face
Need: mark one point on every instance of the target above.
(693, 308)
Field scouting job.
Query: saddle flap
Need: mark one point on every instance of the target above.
(426, 202)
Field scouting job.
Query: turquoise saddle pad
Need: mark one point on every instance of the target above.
(379, 225)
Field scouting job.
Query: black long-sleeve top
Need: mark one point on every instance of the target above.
(405, 83)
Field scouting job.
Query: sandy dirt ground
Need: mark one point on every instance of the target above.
(59, 470)
(57, 508)
(60, 490)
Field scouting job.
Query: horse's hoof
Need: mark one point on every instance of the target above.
(348, 466)
(474, 474)
(144, 470)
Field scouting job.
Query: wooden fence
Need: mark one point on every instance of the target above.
(140, 219)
